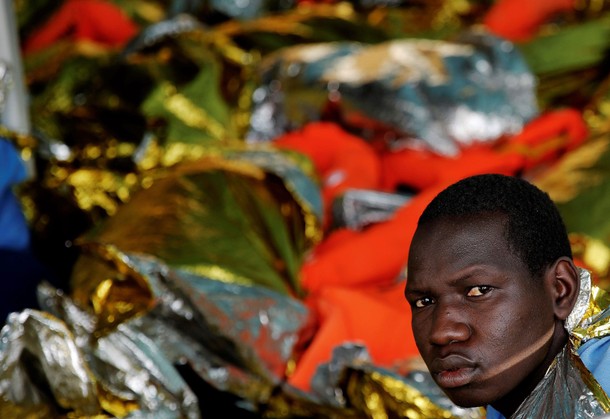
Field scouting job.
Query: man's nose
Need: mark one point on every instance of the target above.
(449, 325)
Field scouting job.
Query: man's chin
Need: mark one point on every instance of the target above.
(465, 397)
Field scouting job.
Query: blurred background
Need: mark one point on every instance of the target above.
(206, 206)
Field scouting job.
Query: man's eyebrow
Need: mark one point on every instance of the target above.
(413, 292)
(457, 281)
(416, 290)
(473, 271)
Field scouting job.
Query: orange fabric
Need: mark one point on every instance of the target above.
(548, 136)
(94, 20)
(414, 168)
(519, 20)
(374, 256)
(378, 318)
(338, 238)
(424, 169)
(540, 141)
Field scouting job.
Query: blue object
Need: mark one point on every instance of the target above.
(14, 233)
(595, 354)
(20, 271)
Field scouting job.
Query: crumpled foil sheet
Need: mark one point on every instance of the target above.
(240, 216)
(6, 81)
(359, 208)
(568, 389)
(351, 379)
(442, 95)
(238, 338)
(249, 9)
(37, 348)
(576, 401)
(593, 313)
(252, 327)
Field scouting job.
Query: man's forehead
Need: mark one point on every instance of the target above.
(460, 226)
(459, 241)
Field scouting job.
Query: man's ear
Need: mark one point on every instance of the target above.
(564, 283)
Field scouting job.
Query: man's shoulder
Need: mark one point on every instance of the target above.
(595, 354)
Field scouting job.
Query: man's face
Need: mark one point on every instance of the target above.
(482, 324)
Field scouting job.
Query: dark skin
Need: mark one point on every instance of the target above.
(486, 328)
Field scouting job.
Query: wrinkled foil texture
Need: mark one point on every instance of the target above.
(359, 208)
(563, 392)
(351, 379)
(437, 94)
(5, 83)
(237, 347)
(241, 216)
(568, 389)
(37, 347)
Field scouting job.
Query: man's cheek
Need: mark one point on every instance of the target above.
(420, 339)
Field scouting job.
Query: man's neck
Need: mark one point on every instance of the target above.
(509, 404)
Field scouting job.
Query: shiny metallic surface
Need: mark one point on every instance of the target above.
(37, 347)
(437, 94)
(358, 208)
(568, 389)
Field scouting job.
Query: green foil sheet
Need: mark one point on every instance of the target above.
(230, 219)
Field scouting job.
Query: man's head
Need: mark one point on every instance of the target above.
(490, 282)
(534, 228)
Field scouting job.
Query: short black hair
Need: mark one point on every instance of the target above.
(535, 231)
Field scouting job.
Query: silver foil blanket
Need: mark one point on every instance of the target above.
(238, 338)
(438, 94)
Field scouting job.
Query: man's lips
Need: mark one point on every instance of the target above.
(453, 371)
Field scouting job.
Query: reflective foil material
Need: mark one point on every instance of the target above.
(595, 320)
(147, 136)
(248, 9)
(240, 216)
(569, 390)
(5, 83)
(238, 339)
(251, 327)
(563, 392)
(37, 349)
(442, 94)
(169, 28)
(351, 379)
(358, 208)
(132, 368)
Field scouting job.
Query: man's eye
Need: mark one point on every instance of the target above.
(478, 290)
(423, 302)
